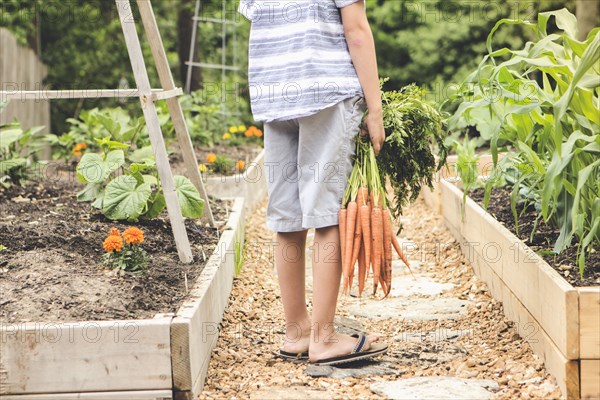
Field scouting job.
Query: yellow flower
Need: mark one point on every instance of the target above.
(242, 128)
(233, 129)
(133, 235)
(240, 165)
(203, 168)
(211, 158)
(226, 136)
(113, 243)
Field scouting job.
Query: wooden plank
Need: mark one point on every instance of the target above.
(565, 371)
(156, 138)
(129, 395)
(177, 116)
(589, 322)
(195, 328)
(551, 300)
(590, 379)
(41, 95)
(85, 356)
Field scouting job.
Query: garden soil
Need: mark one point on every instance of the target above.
(564, 263)
(50, 269)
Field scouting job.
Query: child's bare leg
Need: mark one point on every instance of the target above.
(289, 261)
(327, 272)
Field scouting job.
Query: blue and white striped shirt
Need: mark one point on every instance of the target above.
(298, 61)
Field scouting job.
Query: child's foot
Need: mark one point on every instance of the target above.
(296, 340)
(337, 345)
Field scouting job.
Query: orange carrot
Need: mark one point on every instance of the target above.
(350, 228)
(342, 217)
(387, 247)
(365, 222)
(357, 240)
(362, 265)
(377, 242)
(400, 252)
(363, 196)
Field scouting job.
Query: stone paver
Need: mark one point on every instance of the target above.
(290, 393)
(355, 369)
(406, 285)
(415, 309)
(436, 387)
(438, 335)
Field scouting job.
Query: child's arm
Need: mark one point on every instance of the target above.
(362, 49)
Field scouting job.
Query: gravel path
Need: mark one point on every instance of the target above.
(441, 324)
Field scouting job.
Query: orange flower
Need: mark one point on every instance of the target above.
(133, 236)
(113, 243)
(114, 232)
(78, 147)
(211, 158)
(240, 165)
(82, 146)
(77, 153)
(250, 132)
(258, 133)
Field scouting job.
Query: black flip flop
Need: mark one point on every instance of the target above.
(357, 353)
(293, 356)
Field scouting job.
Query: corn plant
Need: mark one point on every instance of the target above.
(541, 104)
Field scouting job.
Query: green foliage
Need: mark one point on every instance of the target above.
(18, 152)
(435, 43)
(131, 258)
(2, 247)
(124, 184)
(466, 166)
(413, 127)
(222, 165)
(542, 102)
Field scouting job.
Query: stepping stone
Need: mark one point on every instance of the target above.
(406, 285)
(352, 369)
(289, 393)
(436, 387)
(415, 309)
(439, 335)
(347, 326)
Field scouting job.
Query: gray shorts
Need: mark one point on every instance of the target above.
(307, 163)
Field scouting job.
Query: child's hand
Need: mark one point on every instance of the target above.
(373, 127)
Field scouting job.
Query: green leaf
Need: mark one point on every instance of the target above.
(9, 136)
(192, 205)
(124, 199)
(140, 155)
(92, 168)
(111, 144)
(90, 192)
(155, 206)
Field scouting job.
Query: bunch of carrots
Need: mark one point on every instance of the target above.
(365, 225)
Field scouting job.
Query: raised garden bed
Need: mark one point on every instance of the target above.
(560, 321)
(85, 332)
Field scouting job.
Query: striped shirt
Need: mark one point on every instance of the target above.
(298, 60)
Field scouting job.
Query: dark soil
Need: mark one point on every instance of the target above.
(51, 267)
(564, 263)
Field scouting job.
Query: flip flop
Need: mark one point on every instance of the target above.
(357, 353)
(293, 356)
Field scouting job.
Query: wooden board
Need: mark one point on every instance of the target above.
(195, 328)
(589, 317)
(91, 356)
(551, 300)
(590, 379)
(132, 395)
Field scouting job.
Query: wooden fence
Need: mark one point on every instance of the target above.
(21, 69)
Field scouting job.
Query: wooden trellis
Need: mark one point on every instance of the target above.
(148, 97)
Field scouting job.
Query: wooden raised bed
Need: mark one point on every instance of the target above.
(251, 184)
(560, 322)
(161, 358)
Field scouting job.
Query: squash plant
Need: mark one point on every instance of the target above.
(541, 103)
(124, 184)
(18, 148)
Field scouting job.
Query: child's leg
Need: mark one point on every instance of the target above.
(327, 272)
(289, 261)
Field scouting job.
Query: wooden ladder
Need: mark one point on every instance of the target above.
(148, 97)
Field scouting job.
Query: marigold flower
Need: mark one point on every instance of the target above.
(240, 165)
(242, 128)
(233, 129)
(226, 136)
(76, 153)
(82, 146)
(249, 132)
(113, 243)
(258, 133)
(114, 232)
(203, 168)
(133, 235)
(211, 158)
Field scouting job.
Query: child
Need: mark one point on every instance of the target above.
(312, 67)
